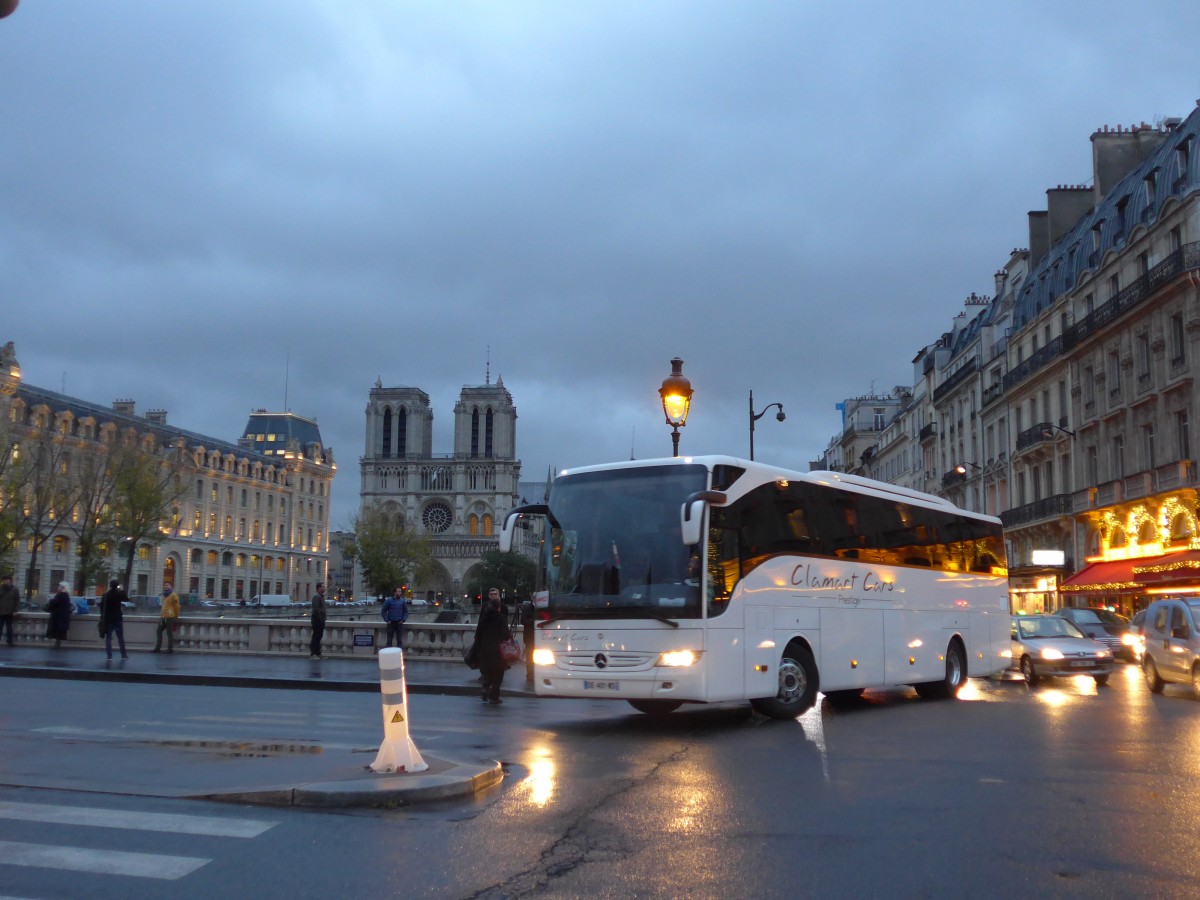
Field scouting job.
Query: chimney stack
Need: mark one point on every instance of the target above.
(125, 407)
(156, 416)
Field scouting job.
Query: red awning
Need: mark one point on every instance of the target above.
(1106, 577)
(1170, 568)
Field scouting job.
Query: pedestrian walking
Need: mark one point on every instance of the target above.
(10, 602)
(318, 622)
(490, 632)
(167, 619)
(395, 613)
(528, 616)
(112, 614)
(59, 608)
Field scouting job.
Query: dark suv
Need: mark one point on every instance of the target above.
(1104, 626)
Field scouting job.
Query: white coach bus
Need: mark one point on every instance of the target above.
(711, 579)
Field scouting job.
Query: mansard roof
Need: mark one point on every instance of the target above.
(165, 434)
(1127, 205)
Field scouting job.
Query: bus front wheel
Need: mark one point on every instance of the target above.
(655, 707)
(798, 685)
(954, 679)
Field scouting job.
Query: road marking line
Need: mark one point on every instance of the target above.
(139, 821)
(101, 862)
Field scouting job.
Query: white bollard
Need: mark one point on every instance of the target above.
(397, 753)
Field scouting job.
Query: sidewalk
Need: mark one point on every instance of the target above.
(325, 780)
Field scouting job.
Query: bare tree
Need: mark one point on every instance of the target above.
(11, 495)
(42, 470)
(93, 520)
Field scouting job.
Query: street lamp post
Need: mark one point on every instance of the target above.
(755, 416)
(676, 393)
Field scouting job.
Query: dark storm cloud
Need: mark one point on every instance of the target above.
(209, 204)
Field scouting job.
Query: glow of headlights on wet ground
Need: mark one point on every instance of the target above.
(539, 785)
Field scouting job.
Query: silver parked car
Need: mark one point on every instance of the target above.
(1172, 644)
(1045, 646)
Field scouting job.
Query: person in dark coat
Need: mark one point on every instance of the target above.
(10, 602)
(490, 632)
(112, 614)
(59, 608)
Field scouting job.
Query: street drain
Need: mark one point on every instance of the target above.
(242, 749)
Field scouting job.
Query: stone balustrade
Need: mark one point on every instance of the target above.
(257, 635)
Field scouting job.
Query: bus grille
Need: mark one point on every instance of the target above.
(604, 660)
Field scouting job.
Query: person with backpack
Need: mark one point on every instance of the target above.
(395, 613)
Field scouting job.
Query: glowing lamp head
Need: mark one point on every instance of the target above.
(676, 393)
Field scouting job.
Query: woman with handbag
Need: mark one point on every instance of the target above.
(491, 632)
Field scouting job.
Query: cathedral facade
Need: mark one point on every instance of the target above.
(456, 499)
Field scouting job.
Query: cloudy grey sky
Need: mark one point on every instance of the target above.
(795, 197)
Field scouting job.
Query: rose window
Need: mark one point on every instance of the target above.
(437, 518)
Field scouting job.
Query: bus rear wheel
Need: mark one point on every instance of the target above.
(952, 681)
(798, 685)
(656, 707)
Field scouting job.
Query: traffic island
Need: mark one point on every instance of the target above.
(444, 779)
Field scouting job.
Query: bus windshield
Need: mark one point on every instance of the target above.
(613, 545)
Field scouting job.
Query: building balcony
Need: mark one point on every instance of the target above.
(1039, 510)
(927, 432)
(967, 369)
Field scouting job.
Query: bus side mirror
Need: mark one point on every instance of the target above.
(514, 516)
(691, 518)
(691, 515)
(506, 532)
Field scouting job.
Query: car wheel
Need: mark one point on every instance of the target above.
(656, 707)
(798, 684)
(1196, 681)
(1101, 680)
(1029, 672)
(952, 682)
(1153, 679)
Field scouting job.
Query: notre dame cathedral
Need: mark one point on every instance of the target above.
(457, 499)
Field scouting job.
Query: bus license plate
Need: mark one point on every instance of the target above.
(601, 686)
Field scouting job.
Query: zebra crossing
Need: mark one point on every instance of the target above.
(77, 857)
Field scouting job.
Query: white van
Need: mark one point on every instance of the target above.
(271, 600)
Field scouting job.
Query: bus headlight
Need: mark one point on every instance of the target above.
(543, 656)
(677, 659)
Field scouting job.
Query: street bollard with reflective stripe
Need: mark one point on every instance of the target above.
(397, 753)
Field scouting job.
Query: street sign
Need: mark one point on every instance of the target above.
(365, 640)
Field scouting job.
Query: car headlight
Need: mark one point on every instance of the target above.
(678, 658)
(1051, 653)
(1129, 640)
(543, 656)
(1102, 654)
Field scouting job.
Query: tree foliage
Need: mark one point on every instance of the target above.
(513, 573)
(388, 555)
(94, 521)
(146, 487)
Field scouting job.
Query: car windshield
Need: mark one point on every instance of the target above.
(614, 547)
(1046, 627)
(1108, 617)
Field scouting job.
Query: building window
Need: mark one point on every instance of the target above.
(199, 489)
(1177, 339)
(1148, 446)
(1143, 359)
(1113, 374)
(1114, 285)
(1183, 435)
(1093, 466)
(1118, 457)
(386, 448)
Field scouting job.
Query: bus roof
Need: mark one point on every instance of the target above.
(759, 473)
